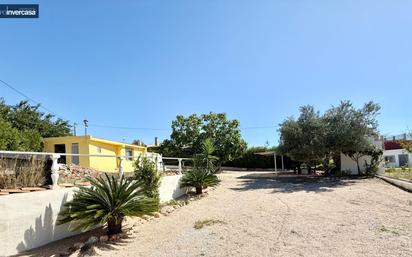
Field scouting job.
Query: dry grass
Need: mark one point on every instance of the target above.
(17, 171)
(208, 222)
(403, 173)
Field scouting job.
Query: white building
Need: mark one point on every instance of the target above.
(397, 158)
(350, 167)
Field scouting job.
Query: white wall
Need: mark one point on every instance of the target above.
(350, 166)
(28, 220)
(396, 153)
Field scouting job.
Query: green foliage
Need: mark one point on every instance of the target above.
(303, 139)
(250, 159)
(208, 222)
(108, 201)
(199, 178)
(206, 158)
(407, 144)
(202, 174)
(188, 133)
(316, 139)
(23, 126)
(9, 136)
(146, 172)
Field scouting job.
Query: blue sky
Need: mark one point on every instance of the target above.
(141, 63)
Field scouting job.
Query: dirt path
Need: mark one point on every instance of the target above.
(268, 216)
(283, 216)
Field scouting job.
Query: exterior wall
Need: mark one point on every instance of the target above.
(170, 188)
(68, 141)
(88, 145)
(28, 220)
(107, 164)
(396, 154)
(128, 164)
(350, 166)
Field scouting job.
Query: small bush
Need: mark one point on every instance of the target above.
(146, 172)
(202, 174)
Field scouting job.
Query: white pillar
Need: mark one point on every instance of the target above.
(283, 167)
(180, 165)
(121, 167)
(276, 167)
(55, 171)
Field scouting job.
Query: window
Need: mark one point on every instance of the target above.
(129, 154)
(98, 149)
(75, 150)
(390, 158)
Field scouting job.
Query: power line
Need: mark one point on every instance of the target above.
(130, 128)
(27, 97)
(107, 126)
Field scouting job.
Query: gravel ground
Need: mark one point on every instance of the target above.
(260, 214)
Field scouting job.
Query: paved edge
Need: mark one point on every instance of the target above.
(405, 185)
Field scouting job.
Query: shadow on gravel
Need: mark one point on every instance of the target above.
(292, 183)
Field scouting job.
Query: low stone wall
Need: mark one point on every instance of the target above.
(28, 220)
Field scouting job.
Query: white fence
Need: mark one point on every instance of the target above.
(55, 167)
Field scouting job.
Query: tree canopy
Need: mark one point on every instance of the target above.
(316, 139)
(188, 134)
(22, 126)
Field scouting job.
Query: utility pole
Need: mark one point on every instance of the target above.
(74, 128)
(85, 126)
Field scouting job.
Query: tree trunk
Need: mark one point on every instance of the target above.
(199, 190)
(357, 164)
(299, 169)
(114, 227)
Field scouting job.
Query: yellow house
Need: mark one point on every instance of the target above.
(102, 153)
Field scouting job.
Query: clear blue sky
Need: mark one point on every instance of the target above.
(140, 63)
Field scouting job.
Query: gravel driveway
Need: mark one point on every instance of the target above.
(260, 214)
(283, 216)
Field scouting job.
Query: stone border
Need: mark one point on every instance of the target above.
(402, 184)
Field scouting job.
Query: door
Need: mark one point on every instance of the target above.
(60, 148)
(75, 150)
(403, 160)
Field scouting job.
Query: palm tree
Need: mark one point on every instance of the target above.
(202, 175)
(107, 201)
(199, 178)
(206, 157)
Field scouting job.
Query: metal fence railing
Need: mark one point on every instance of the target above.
(19, 167)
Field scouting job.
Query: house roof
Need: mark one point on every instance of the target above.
(94, 139)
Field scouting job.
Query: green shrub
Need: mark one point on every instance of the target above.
(146, 172)
(199, 179)
(202, 174)
(108, 201)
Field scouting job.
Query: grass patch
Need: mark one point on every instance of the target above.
(403, 173)
(385, 229)
(208, 222)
